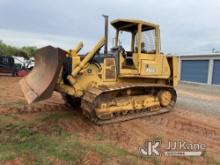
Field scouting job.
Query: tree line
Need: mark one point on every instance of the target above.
(26, 51)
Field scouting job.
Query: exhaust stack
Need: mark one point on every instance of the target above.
(106, 34)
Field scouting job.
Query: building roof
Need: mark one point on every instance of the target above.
(201, 55)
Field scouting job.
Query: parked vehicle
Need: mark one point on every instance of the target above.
(8, 66)
(29, 64)
(26, 64)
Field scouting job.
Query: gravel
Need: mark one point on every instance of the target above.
(199, 98)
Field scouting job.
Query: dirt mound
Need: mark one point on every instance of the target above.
(13, 101)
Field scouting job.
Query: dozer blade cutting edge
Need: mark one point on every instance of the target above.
(40, 82)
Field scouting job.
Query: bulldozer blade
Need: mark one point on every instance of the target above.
(40, 82)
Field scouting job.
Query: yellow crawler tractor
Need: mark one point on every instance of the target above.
(132, 80)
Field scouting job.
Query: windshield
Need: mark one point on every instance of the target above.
(125, 39)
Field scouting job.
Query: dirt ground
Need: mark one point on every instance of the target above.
(195, 119)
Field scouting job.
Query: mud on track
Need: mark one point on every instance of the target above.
(180, 124)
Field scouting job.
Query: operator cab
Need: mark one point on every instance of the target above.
(134, 38)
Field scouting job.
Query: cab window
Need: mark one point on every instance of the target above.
(148, 42)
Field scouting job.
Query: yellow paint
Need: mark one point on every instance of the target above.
(148, 67)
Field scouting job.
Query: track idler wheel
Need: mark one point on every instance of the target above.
(165, 98)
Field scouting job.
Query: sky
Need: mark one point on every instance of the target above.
(187, 26)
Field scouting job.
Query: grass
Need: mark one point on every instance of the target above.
(16, 104)
(100, 136)
(55, 117)
(27, 139)
(210, 160)
(108, 151)
(42, 139)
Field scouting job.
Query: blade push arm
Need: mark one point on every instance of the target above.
(89, 56)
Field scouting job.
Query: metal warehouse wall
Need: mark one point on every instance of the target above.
(216, 72)
(195, 70)
(203, 69)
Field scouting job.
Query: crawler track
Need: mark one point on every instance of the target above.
(92, 95)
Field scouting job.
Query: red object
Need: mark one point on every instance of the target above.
(22, 73)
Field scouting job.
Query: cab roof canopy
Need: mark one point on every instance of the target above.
(131, 25)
